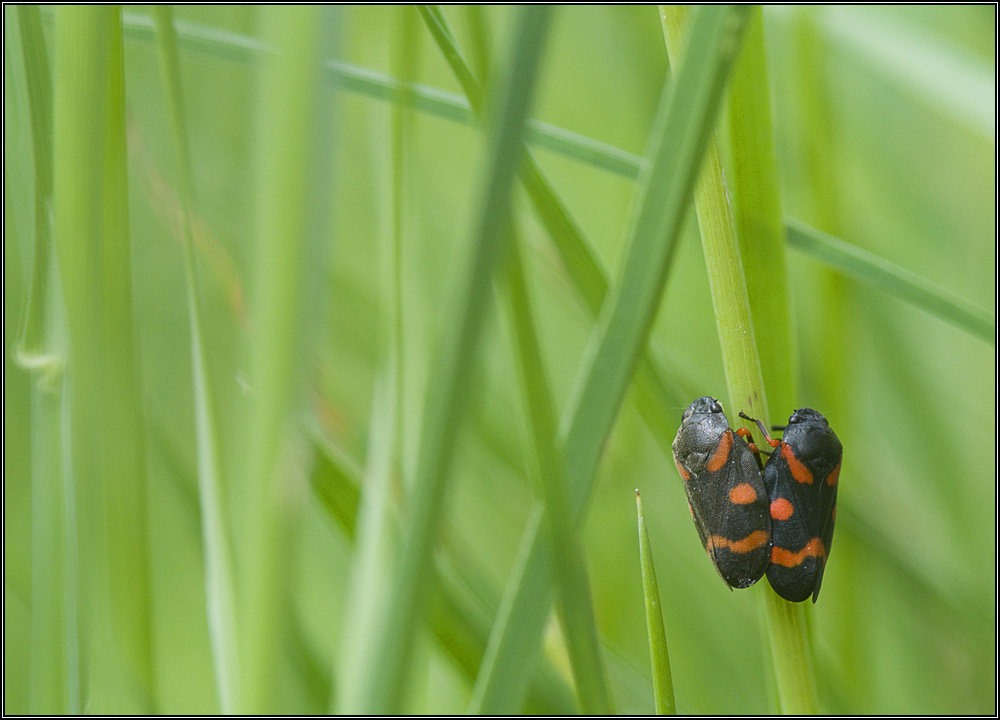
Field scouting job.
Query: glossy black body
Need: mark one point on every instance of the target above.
(801, 542)
(717, 465)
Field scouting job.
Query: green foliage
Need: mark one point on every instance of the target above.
(265, 426)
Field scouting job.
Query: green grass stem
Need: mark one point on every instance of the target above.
(752, 179)
(382, 680)
(123, 430)
(791, 650)
(41, 349)
(289, 109)
(220, 588)
(92, 241)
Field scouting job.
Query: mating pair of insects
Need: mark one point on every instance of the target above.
(754, 518)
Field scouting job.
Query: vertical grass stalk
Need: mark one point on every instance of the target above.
(41, 349)
(288, 109)
(659, 658)
(106, 433)
(123, 432)
(219, 582)
(786, 627)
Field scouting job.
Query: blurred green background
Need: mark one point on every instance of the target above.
(885, 130)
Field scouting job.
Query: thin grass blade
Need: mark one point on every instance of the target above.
(577, 610)
(871, 269)
(123, 431)
(219, 580)
(41, 350)
(382, 681)
(659, 658)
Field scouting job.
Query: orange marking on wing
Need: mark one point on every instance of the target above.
(750, 543)
(721, 453)
(787, 558)
(799, 471)
(685, 475)
(834, 475)
(743, 494)
(781, 509)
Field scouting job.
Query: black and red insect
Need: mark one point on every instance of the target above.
(801, 477)
(725, 491)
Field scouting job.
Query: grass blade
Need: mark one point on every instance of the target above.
(382, 678)
(54, 664)
(871, 269)
(285, 166)
(617, 341)
(571, 572)
(108, 473)
(659, 658)
(756, 202)
(459, 618)
(123, 433)
(792, 654)
(449, 106)
(219, 581)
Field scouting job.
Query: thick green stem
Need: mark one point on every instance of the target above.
(789, 638)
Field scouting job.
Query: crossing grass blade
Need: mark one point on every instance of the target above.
(868, 268)
(433, 101)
